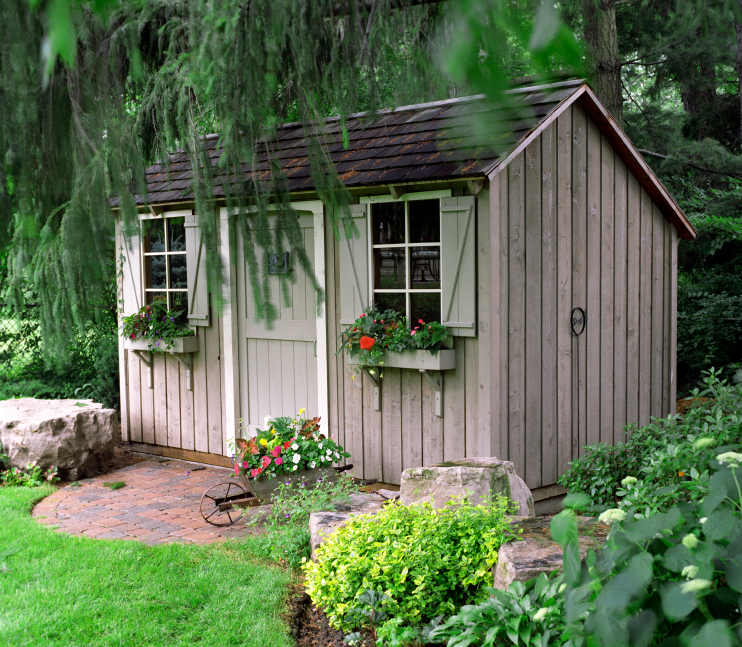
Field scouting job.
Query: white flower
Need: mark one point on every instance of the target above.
(690, 541)
(311, 465)
(695, 585)
(541, 614)
(614, 514)
(703, 519)
(729, 457)
(690, 572)
(267, 419)
(295, 446)
(704, 442)
(319, 444)
(296, 458)
(293, 469)
(629, 480)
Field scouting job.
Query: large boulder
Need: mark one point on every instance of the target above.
(323, 524)
(479, 478)
(76, 436)
(535, 552)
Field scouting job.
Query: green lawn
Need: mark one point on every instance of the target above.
(57, 590)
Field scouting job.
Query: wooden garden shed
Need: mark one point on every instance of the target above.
(502, 247)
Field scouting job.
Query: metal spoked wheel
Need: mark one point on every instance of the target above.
(218, 503)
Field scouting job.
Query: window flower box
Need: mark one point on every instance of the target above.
(179, 344)
(422, 360)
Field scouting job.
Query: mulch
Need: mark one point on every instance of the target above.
(310, 626)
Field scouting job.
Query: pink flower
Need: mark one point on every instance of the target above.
(245, 465)
(363, 315)
(266, 461)
(278, 461)
(133, 335)
(276, 451)
(374, 320)
(420, 321)
(237, 470)
(414, 332)
(255, 472)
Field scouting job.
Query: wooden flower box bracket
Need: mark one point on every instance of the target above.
(182, 349)
(431, 366)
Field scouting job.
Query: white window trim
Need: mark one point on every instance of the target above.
(407, 197)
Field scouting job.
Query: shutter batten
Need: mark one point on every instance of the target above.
(198, 293)
(354, 284)
(458, 265)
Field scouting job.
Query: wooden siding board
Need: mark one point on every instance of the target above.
(549, 245)
(160, 399)
(658, 251)
(620, 297)
(667, 407)
(432, 426)
(454, 407)
(187, 413)
(533, 315)
(412, 439)
(566, 441)
(484, 439)
(332, 424)
(354, 419)
(200, 396)
(148, 406)
(633, 293)
(391, 426)
(371, 433)
(472, 394)
(579, 269)
(607, 292)
(594, 305)
(645, 310)
(516, 314)
(173, 403)
(673, 317)
(213, 387)
(503, 335)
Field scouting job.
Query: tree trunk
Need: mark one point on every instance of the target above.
(738, 28)
(604, 65)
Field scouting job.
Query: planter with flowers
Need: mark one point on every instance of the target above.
(379, 340)
(155, 329)
(289, 450)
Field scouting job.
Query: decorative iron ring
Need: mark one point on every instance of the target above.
(578, 321)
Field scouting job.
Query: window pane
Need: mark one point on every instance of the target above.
(178, 273)
(389, 268)
(390, 302)
(388, 223)
(155, 269)
(425, 221)
(176, 234)
(425, 306)
(179, 301)
(154, 235)
(156, 296)
(426, 268)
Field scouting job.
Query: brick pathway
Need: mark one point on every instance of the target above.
(160, 504)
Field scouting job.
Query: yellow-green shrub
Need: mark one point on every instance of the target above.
(428, 562)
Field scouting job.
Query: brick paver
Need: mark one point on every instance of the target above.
(160, 504)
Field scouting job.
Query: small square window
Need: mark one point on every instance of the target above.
(165, 264)
(406, 252)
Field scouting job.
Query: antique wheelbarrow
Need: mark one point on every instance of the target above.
(225, 502)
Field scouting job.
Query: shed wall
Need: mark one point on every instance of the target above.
(169, 415)
(405, 432)
(577, 230)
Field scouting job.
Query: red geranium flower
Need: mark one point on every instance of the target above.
(255, 472)
(287, 444)
(266, 461)
(367, 342)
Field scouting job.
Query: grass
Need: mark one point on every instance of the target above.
(62, 591)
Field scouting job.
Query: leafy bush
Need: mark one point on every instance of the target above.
(427, 562)
(287, 539)
(674, 578)
(670, 457)
(32, 477)
(529, 613)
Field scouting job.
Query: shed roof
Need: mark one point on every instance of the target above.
(430, 141)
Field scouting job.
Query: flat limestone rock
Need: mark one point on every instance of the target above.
(78, 440)
(480, 478)
(537, 553)
(323, 524)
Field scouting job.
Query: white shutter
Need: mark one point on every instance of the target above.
(354, 267)
(132, 291)
(458, 266)
(198, 285)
